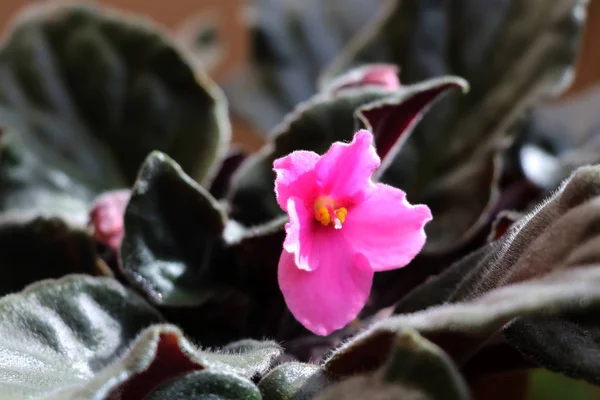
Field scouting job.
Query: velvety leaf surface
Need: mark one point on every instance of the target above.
(207, 385)
(368, 387)
(82, 337)
(93, 92)
(461, 328)
(56, 335)
(28, 183)
(413, 367)
(172, 228)
(512, 58)
(198, 268)
(541, 242)
(416, 362)
(559, 234)
(294, 381)
(33, 249)
(326, 118)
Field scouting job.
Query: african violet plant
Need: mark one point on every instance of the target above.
(143, 261)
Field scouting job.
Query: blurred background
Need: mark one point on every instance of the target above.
(228, 36)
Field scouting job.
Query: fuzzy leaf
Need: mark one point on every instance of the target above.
(412, 365)
(92, 92)
(80, 337)
(461, 328)
(419, 363)
(294, 381)
(539, 243)
(368, 387)
(512, 59)
(29, 183)
(56, 335)
(198, 267)
(330, 117)
(172, 227)
(559, 235)
(206, 385)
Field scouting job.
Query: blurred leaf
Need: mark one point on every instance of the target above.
(91, 93)
(294, 381)
(419, 363)
(290, 44)
(27, 184)
(512, 59)
(206, 385)
(561, 136)
(549, 386)
(220, 184)
(369, 387)
(172, 228)
(33, 249)
(412, 367)
(78, 338)
(326, 118)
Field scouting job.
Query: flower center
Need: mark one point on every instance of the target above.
(326, 212)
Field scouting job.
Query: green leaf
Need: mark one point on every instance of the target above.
(369, 387)
(33, 249)
(27, 183)
(326, 118)
(314, 125)
(548, 239)
(294, 381)
(513, 59)
(290, 44)
(558, 235)
(200, 269)
(413, 368)
(56, 335)
(172, 228)
(91, 92)
(416, 362)
(206, 385)
(84, 338)
(460, 329)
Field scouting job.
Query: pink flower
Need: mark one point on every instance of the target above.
(106, 217)
(342, 228)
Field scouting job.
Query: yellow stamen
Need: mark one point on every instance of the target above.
(341, 213)
(325, 218)
(325, 212)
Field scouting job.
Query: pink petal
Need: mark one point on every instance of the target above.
(306, 238)
(330, 297)
(344, 172)
(386, 229)
(295, 176)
